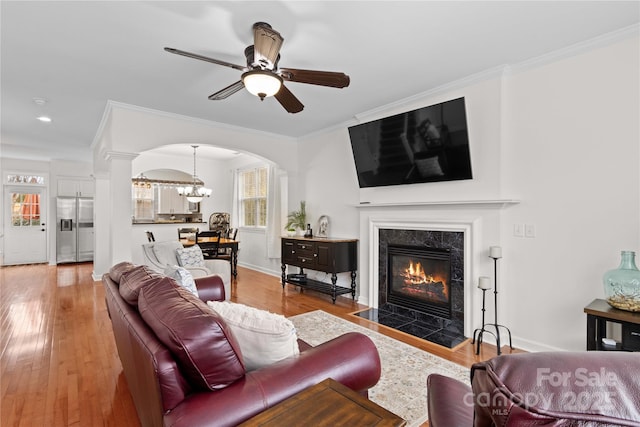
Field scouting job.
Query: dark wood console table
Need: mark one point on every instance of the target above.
(328, 255)
(599, 312)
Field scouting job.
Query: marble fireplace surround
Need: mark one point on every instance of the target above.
(479, 220)
(414, 228)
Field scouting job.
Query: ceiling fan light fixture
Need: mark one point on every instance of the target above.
(262, 83)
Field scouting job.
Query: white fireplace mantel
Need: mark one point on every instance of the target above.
(468, 228)
(493, 203)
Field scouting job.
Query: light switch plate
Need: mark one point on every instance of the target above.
(518, 230)
(529, 230)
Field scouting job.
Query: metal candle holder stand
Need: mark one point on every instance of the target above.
(495, 323)
(481, 331)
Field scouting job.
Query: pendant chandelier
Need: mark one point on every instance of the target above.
(196, 192)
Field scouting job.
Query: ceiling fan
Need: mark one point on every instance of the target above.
(262, 77)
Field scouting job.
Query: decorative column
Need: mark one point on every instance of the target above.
(120, 233)
(101, 226)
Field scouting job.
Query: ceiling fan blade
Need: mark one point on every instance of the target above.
(321, 78)
(288, 100)
(227, 91)
(267, 43)
(205, 58)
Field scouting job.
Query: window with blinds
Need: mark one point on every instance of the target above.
(253, 197)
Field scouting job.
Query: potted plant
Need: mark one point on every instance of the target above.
(297, 220)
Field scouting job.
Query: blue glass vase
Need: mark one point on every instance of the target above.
(622, 285)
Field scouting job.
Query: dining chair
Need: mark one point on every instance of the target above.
(211, 247)
(219, 221)
(150, 237)
(233, 233)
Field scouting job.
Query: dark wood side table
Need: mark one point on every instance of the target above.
(326, 254)
(328, 403)
(599, 312)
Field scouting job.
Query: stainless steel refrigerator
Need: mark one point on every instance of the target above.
(74, 235)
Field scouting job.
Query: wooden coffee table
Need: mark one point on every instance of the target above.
(328, 403)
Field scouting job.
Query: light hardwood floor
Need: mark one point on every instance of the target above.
(59, 364)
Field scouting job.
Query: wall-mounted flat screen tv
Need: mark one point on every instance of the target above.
(424, 145)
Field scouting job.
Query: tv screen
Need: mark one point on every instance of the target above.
(424, 145)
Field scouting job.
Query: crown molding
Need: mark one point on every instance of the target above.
(112, 105)
(577, 48)
(119, 155)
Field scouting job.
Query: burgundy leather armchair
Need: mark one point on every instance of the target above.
(163, 388)
(546, 388)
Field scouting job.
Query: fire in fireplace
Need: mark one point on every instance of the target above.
(419, 278)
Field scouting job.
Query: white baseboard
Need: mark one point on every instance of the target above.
(260, 269)
(520, 343)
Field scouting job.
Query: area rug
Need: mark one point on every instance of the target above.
(402, 388)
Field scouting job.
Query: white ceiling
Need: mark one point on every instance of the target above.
(78, 55)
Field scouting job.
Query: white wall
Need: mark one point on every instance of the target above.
(331, 187)
(572, 156)
(563, 138)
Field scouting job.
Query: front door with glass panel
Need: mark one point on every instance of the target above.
(25, 237)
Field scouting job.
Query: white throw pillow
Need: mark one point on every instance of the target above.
(263, 337)
(190, 257)
(183, 277)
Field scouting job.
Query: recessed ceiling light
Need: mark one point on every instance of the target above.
(44, 119)
(39, 101)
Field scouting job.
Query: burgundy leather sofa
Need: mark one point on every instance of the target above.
(541, 389)
(184, 368)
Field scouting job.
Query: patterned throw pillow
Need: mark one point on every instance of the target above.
(183, 277)
(190, 257)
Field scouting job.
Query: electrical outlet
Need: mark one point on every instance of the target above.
(518, 230)
(529, 230)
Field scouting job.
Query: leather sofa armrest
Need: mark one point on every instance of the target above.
(449, 402)
(210, 288)
(198, 272)
(351, 359)
(558, 388)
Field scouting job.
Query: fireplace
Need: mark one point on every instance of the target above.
(419, 277)
(433, 310)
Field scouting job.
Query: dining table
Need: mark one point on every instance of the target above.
(224, 243)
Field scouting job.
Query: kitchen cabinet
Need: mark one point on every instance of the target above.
(75, 187)
(170, 202)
